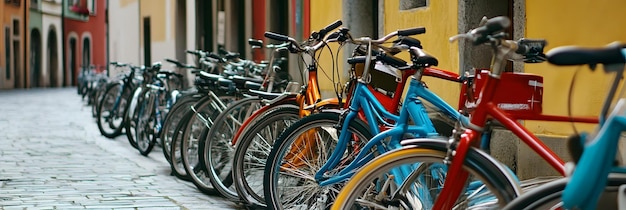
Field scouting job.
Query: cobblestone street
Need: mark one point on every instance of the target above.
(52, 156)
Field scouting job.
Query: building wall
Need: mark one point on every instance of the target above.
(93, 28)
(163, 44)
(322, 15)
(3, 23)
(11, 12)
(51, 23)
(577, 22)
(440, 20)
(124, 45)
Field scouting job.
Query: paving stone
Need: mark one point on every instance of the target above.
(55, 158)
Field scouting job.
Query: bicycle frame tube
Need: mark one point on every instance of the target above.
(471, 138)
(310, 96)
(592, 171)
(412, 109)
(256, 114)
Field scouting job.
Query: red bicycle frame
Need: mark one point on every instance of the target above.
(487, 109)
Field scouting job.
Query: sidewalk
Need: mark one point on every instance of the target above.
(52, 156)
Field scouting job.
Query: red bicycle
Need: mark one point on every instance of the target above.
(464, 170)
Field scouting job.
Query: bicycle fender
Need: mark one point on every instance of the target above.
(442, 143)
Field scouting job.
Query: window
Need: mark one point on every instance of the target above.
(412, 4)
(16, 27)
(82, 7)
(91, 5)
(7, 51)
(86, 52)
(13, 2)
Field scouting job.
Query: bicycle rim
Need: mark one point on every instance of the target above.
(299, 153)
(218, 150)
(254, 148)
(382, 183)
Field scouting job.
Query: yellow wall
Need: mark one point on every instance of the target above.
(572, 22)
(321, 16)
(155, 9)
(440, 20)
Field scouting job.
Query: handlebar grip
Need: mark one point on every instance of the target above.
(192, 52)
(493, 25)
(276, 36)
(174, 62)
(214, 56)
(411, 31)
(255, 42)
(392, 60)
(357, 59)
(330, 27)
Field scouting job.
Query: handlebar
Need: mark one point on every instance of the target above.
(319, 36)
(572, 55)
(484, 33)
(403, 32)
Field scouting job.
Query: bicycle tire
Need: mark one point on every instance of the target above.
(195, 131)
(173, 118)
(255, 147)
(476, 162)
(131, 116)
(326, 122)
(549, 195)
(146, 121)
(108, 100)
(216, 149)
(175, 158)
(96, 96)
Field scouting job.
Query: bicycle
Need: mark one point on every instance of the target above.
(594, 173)
(113, 106)
(461, 155)
(289, 104)
(156, 101)
(346, 144)
(204, 114)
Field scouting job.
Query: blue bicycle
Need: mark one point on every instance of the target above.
(313, 158)
(598, 181)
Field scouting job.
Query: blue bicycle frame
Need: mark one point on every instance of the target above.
(591, 175)
(374, 111)
(590, 178)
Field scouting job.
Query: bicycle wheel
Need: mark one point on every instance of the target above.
(299, 153)
(201, 120)
(146, 121)
(252, 150)
(110, 117)
(175, 158)
(132, 115)
(548, 196)
(96, 96)
(173, 118)
(217, 151)
(382, 184)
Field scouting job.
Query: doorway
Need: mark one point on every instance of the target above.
(53, 58)
(35, 59)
